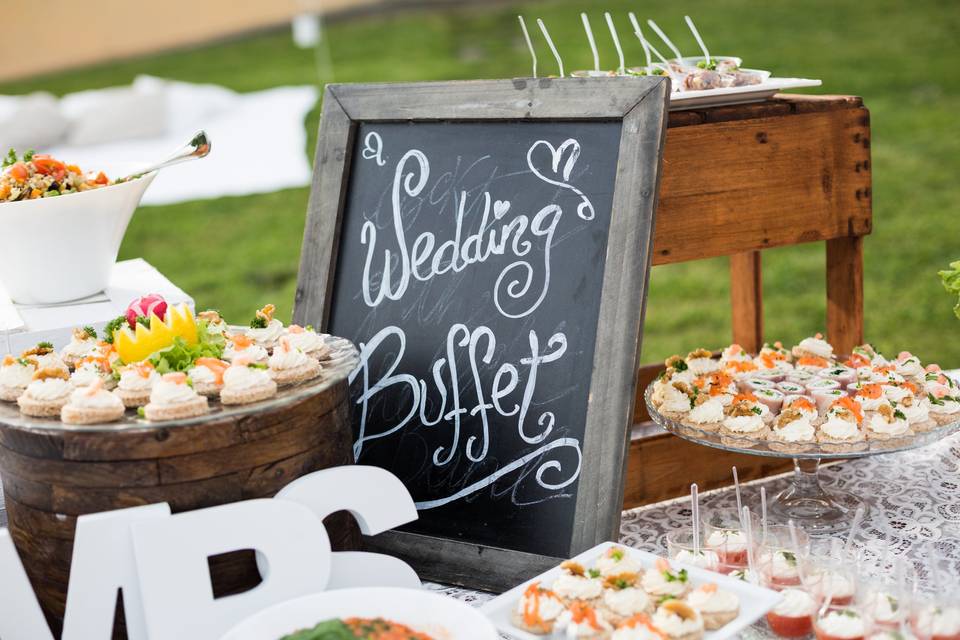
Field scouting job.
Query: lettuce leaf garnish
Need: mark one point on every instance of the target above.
(180, 356)
(951, 282)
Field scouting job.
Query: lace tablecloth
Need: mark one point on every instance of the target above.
(914, 498)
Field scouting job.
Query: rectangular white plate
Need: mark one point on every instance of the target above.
(754, 601)
(736, 95)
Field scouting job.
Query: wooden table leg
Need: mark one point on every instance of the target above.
(746, 297)
(845, 293)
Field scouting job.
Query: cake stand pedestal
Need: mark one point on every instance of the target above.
(806, 501)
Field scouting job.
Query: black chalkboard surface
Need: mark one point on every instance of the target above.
(492, 269)
(473, 389)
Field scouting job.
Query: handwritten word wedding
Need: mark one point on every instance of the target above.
(396, 261)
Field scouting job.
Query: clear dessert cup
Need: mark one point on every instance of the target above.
(724, 535)
(778, 561)
(681, 548)
(839, 622)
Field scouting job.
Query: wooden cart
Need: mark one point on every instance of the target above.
(788, 170)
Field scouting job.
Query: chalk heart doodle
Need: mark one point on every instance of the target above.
(567, 153)
(500, 208)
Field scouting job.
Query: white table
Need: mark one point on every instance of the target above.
(23, 326)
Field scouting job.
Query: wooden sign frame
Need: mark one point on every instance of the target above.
(641, 105)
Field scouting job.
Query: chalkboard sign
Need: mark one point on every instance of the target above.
(487, 245)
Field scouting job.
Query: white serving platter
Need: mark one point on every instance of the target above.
(436, 615)
(680, 100)
(754, 601)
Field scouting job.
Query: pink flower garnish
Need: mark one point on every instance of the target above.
(144, 306)
(933, 367)
(903, 355)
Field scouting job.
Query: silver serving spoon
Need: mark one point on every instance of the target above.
(198, 147)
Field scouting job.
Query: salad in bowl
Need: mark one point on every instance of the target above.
(60, 227)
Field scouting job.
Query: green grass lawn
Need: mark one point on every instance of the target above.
(237, 253)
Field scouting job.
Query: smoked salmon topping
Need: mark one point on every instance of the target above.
(176, 377)
(240, 341)
(531, 606)
(741, 367)
(802, 403)
(144, 369)
(744, 397)
(813, 361)
(856, 361)
(641, 620)
(218, 367)
(850, 405)
(580, 612)
(872, 391)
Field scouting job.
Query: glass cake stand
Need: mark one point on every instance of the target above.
(806, 501)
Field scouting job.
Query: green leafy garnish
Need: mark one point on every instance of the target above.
(112, 327)
(45, 345)
(310, 328)
(23, 362)
(141, 412)
(180, 356)
(710, 66)
(28, 155)
(757, 410)
(790, 557)
(327, 630)
(934, 400)
(10, 158)
(665, 598)
(258, 322)
(680, 576)
(951, 282)
(90, 331)
(144, 320)
(894, 604)
(850, 613)
(594, 573)
(617, 554)
(263, 367)
(620, 583)
(899, 414)
(51, 193)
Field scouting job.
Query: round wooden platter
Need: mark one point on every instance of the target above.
(53, 472)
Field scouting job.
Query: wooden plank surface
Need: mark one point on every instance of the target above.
(746, 300)
(663, 466)
(745, 185)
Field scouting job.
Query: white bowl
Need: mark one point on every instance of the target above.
(438, 616)
(63, 248)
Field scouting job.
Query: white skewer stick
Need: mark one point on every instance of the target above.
(553, 48)
(666, 40)
(526, 36)
(736, 486)
(795, 540)
(857, 519)
(748, 533)
(621, 70)
(763, 512)
(695, 508)
(676, 86)
(593, 43)
(696, 34)
(643, 41)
